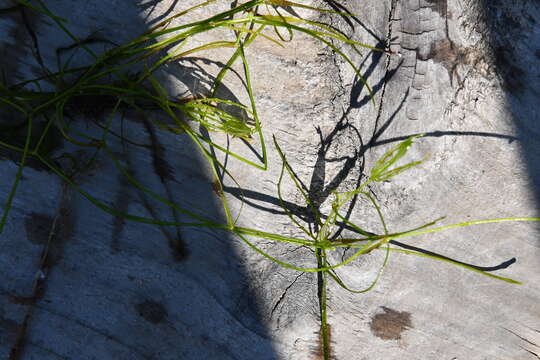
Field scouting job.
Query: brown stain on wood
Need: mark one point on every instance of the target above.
(450, 55)
(501, 60)
(390, 324)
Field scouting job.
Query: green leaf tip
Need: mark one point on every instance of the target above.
(380, 172)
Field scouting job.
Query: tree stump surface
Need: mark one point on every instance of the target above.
(463, 72)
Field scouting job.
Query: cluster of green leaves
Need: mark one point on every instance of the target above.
(247, 21)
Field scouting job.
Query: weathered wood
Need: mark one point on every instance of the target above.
(109, 288)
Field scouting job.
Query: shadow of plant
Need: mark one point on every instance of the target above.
(170, 131)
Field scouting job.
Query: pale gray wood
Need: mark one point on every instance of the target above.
(466, 74)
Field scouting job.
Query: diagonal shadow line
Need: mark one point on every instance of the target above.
(244, 312)
(513, 40)
(374, 142)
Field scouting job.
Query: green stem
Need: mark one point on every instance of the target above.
(322, 280)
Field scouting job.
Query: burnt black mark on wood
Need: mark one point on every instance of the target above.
(152, 311)
(390, 324)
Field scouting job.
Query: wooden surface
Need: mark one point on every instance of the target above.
(466, 76)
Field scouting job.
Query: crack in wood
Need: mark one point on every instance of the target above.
(284, 293)
(523, 338)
